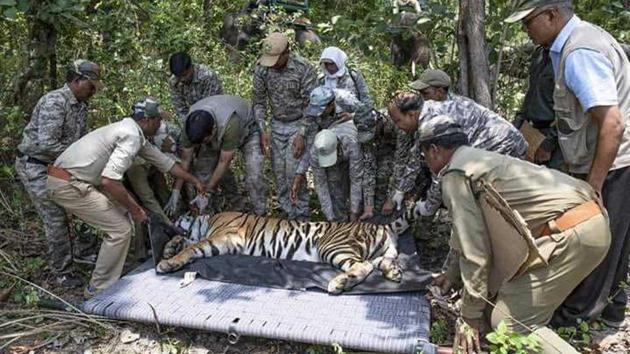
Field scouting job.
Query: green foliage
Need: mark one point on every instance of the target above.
(578, 336)
(503, 341)
(439, 331)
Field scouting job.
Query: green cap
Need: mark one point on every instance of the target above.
(325, 145)
(147, 106)
(438, 126)
(431, 78)
(522, 8)
(320, 98)
(89, 70)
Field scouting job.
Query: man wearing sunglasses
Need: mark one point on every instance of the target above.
(592, 107)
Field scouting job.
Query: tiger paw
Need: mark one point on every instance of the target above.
(173, 247)
(337, 284)
(393, 272)
(165, 267)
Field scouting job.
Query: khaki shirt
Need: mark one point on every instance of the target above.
(538, 194)
(109, 151)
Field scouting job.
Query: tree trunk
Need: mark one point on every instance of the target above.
(41, 72)
(474, 68)
(206, 8)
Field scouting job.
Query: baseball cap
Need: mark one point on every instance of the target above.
(272, 47)
(325, 145)
(431, 78)
(89, 70)
(438, 126)
(320, 98)
(522, 8)
(147, 106)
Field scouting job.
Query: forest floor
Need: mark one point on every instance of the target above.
(27, 326)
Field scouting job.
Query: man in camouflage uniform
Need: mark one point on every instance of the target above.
(58, 120)
(485, 129)
(336, 75)
(329, 108)
(190, 83)
(147, 182)
(220, 125)
(337, 161)
(434, 85)
(523, 236)
(285, 80)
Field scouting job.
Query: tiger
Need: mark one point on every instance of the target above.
(355, 248)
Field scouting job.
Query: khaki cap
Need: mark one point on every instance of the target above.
(89, 70)
(522, 8)
(273, 46)
(431, 78)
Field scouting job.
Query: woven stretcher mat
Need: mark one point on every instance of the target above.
(392, 323)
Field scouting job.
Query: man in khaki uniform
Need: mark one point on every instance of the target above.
(86, 180)
(523, 235)
(591, 100)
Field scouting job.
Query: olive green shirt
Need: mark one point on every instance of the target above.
(537, 193)
(231, 137)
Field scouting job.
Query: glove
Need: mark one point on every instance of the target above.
(173, 203)
(421, 208)
(397, 199)
(201, 202)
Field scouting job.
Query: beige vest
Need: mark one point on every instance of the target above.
(577, 133)
(222, 107)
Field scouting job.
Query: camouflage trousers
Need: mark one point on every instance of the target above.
(206, 162)
(55, 221)
(338, 184)
(369, 173)
(384, 167)
(284, 167)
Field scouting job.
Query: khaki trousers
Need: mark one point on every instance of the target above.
(532, 298)
(88, 204)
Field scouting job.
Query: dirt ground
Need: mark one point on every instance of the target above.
(28, 324)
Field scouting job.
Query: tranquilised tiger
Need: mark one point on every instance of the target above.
(354, 248)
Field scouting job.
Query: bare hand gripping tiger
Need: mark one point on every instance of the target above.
(354, 248)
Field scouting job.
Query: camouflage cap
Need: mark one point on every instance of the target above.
(522, 8)
(89, 70)
(325, 146)
(438, 126)
(272, 47)
(320, 98)
(147, 106)
(431, 78)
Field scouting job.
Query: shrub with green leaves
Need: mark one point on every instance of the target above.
(504, 341)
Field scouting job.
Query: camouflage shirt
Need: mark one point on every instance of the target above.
(205, 83)
(486, 130)
(287, 89)
(348, 150)
(58, 120)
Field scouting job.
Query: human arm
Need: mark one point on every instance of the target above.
(355, 165)
(323, 193)
(259, 105)
(118, 192)
(363, 92)
(611, 128)
(51, 116)
(590, 76)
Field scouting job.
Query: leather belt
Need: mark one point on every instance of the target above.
(30, 159)
(59, 173)
(572, 217)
